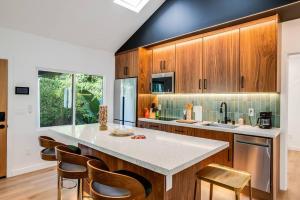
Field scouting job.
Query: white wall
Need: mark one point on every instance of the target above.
(290, 46)
(293, 102)
(25, 53)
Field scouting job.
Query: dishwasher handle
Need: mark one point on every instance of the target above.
(252, 143)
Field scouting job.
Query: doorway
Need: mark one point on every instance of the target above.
(3, 116)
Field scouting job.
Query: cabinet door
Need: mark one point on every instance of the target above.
(121, 63)
(127, 65)
(132, 67)
(164, 59)
(221, 62)
(145, 70)
(226, 156)
(258, 61)
(155, 126)
(189, 67)
(183, 130)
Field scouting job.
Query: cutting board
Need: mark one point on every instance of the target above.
(186, 121)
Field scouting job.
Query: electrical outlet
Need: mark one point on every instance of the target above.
(251, 112)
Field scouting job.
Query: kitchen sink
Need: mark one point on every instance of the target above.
(214, 124)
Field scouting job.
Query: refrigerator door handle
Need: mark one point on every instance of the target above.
(123, 110)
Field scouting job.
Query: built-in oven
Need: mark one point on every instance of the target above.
(163, 83)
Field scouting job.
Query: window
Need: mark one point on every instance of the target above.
(134, 5)
(65, 98)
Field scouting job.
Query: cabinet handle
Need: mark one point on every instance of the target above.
(229, 157)
(164, 64)
(205, 84)
(242, 81)
(160, 65)
(200, 83)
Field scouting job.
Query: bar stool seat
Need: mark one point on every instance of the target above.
(121, 185)
(49, 144)
(49, 151)
(225, 177)
(109, 191)
(72, 167)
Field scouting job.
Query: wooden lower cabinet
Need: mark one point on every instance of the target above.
(182, 130)
(224, 158)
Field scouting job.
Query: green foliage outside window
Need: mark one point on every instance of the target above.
(89, 95)
(56, 98)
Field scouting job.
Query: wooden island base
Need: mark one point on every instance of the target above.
(183, 183)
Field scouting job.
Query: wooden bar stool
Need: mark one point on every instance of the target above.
(71, 166)
(49, 144)
(121, 185)
(225, 177)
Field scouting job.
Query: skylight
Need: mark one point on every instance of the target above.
(134, 5)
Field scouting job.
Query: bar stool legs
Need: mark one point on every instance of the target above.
(80, 190)
(60, 186)
(59, 182)
(211, 190)
(250, 190)
(197, 191)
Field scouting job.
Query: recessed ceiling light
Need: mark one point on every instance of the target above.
(134, 5)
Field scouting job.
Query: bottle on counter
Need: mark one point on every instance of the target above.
(146, 113)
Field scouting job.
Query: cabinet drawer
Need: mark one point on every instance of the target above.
(183, 130)
(155, 126)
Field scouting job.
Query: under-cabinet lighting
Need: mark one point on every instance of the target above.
(134, 5)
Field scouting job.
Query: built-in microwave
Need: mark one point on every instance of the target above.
(163, 83)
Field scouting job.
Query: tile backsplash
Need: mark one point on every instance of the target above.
(238, 106)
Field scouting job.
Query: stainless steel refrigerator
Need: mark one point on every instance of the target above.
(125, 100)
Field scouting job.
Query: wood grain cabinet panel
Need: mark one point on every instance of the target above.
(189, 67)
(144, 71)
(183, 130)
(164, 59)
(127, 65)
(226, 156)
(258, 61)
(221, 62)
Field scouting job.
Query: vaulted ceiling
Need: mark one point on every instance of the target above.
(98, 24)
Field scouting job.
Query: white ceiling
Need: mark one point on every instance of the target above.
(98, 24)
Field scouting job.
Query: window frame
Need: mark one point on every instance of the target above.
(73, 73)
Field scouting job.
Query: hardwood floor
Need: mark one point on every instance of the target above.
(41, 185)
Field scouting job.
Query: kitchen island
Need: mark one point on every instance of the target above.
(167, 160)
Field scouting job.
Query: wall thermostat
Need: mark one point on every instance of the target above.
(22, 90)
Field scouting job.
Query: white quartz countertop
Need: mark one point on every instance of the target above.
(241, 129)
(162, 152)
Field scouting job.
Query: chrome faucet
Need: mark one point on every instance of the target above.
(221, 111)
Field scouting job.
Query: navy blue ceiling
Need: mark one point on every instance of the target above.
(178, 17)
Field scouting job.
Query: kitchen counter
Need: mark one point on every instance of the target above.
(241, 129)
(161, 152)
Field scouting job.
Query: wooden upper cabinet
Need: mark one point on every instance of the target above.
(189, 67)
(258, 61)
(221, 62)
(164, 59)
(127, 65)
(145, 70)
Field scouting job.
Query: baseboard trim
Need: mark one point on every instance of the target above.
(31, 168)
(293, 148)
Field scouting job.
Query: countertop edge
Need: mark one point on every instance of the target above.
(239, 130)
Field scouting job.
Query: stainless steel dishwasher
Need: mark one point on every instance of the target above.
(253, 154)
